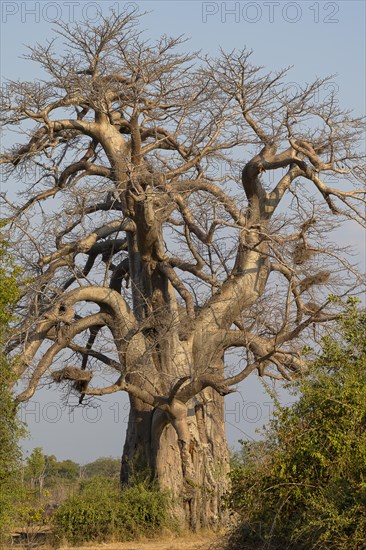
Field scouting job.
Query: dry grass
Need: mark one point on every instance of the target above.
(189, 541)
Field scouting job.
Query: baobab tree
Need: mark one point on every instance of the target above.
(173, 207)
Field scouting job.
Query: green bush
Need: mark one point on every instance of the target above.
(104, 512)
(11, 429)
(304, 487)
(105, 466)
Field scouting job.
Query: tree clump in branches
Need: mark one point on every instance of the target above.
(161, 229)
(303, 486)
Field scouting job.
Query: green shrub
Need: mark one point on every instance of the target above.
(304, 487)
(103, 512)
(105, 466)
(11, 429)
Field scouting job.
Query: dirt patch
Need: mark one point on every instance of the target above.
(189, 542)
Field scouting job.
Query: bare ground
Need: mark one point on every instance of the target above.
(186, 542)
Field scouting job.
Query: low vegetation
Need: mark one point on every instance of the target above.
(67, 503)
(139, 510)
(304, 486)
(10, 430)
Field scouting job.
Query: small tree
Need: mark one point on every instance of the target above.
(193, 203)
(56, 471)
(104, 466)
(35, 470)
(304, 487)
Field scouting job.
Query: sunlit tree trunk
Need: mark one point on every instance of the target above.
(196, 477)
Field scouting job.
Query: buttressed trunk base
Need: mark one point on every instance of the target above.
(193, 473)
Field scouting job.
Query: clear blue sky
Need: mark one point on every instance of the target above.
(317, 38)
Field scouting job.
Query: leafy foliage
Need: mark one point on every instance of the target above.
(84, 506)
(47, 471)
(106, 466)
(305, 485)
(35, 468)
(10, 428)
(102, 511)
(60, 470)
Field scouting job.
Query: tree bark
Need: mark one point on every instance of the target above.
(196, 477)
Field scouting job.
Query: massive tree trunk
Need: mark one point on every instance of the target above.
(183, 447)
(195, 477)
